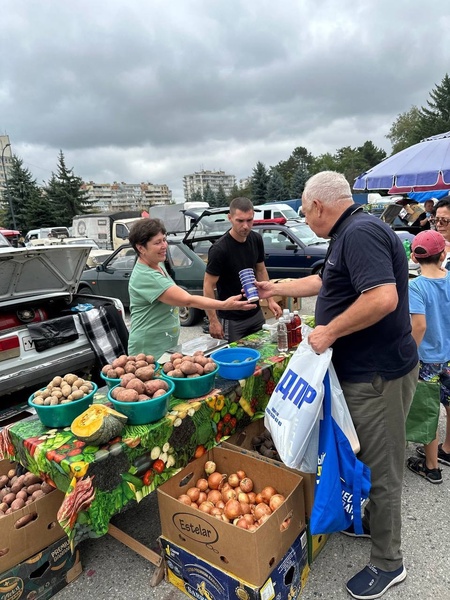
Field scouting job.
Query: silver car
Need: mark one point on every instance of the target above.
(38, 287)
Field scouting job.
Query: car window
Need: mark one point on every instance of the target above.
(307, 235)
(178, 257)
(124, 259)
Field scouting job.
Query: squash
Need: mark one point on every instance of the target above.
(98, 424)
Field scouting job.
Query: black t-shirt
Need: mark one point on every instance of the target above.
(366, 253)
(225, 259)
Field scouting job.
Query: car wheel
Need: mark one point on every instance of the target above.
(189, 316)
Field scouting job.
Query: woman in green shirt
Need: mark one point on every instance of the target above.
(154, 296)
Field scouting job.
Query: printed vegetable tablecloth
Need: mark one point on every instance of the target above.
(99, 482)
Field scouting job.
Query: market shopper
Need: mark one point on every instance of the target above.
(428, 295)
(441, 222)
(154, 296)
(239, 248)
(428, 215)
(362, 313)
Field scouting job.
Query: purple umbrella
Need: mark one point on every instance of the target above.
(420, 168)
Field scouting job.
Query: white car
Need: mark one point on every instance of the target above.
(37, 288)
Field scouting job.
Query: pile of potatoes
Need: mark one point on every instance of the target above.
(17, 491)
(185, 365)
(62, 390)
(139, 365)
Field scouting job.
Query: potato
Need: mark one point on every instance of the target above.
(131, 357)
(145, 373)
(78, 394)
(78, 383)
(130, 367)
(9, 498)
(120, 371)
(177, 362)
(106, 368)
(37, 494)
(56, 381)
(159, 393)
(188, 368)
(200, 360)
(3, 507)
(66, 390)
(143, 397)
(150, 359)
(46, 487)
(30, 479)
(22, 494)
(70, 378)
(193, 375)
(175, 373)
(120, 362)
(209, 367)
(156, 384)
(114, 392)
(17, 504)
(140, 363)
(136, 384)
(126, 378)
(141, 356)
(33, 488)
(124, 395)
(175, 355)
(16, 487)
(86, 388)
(112, 374)
(24, 520)
(4, 480)
(168, 366)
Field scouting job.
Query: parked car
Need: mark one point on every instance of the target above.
(96, 255)
(37, 286)
(111, 277)
(4, 244)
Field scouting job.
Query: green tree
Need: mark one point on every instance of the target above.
(209, 196)
(299, 179)
(276, 188)
(259, 184)
(300, 157)
(26, 200)
(65, 193)
(196, 196)
(221, 197)
(404, 130)
(435, 118)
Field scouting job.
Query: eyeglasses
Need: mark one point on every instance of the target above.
(440, 221)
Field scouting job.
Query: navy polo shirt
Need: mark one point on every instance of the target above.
(366, 253)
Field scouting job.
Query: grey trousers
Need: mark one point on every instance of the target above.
(379, 410)
(236, 330)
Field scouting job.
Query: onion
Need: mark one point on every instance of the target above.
(242, 523)
(225, 518)
(245, 507)
(267, 493)
(276, 501)
(252, 527)
(220, 504)
(246, 485)
(258, 499)
(202, 497)
(202, 484)
(226, 486)
(193, 493)
(241, 474)
(252, 497)
(184, 498)
(249, 518)
(261, 509)
(243, 497)
(229, 494)
(206, 506)
(215, 512)
(215, 480)
(233, 480)
(210, 467)
(232, 509)
(263, 519)
(194, 505)
(214, 496)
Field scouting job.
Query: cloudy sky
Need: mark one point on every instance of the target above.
(150, 90)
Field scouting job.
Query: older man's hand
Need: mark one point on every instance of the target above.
(320, 339)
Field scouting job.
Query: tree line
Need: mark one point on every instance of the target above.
(62, 197)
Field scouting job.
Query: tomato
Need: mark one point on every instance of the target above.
(227, 418)
(158, 466)
(199, 451)
(147, 478)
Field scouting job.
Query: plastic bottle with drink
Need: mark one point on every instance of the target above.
(282, 336)
(287, 320)
(297, 328)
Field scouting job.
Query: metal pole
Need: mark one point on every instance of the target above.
(7, 188)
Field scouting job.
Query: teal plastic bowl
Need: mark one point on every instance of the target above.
(110, 382)
(62, 415)
(145, 411)
(192, 387)
(236, 363)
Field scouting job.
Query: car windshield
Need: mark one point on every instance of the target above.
(83, 242)
(306, 234)
(215, 224)
(4, 242)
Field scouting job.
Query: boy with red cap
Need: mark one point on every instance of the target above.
(429, 302)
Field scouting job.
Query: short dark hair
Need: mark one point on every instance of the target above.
(427, 260)
(443, 202)
(241, 203)
(144, 230)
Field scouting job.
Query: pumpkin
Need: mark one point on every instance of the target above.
(98, 424)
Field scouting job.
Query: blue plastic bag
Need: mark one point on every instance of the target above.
(342, 482)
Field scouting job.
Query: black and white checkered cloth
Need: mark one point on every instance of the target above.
(102, 336)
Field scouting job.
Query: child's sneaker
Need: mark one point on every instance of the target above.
(443, 457)
(417, 465)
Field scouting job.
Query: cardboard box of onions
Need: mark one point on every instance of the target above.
(212, 527)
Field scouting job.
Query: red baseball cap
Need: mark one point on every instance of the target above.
(428, 243)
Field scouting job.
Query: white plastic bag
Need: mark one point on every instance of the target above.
(295, 404)
(340, 412)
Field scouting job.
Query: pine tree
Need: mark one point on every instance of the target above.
(64, 191)
(260, 180)
(209, 196)
(196, 196)
(276, 189)
(435, 118)
(299, 179)
(23, 194)
(221, 197)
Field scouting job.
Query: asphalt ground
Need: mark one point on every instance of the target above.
(111, 569)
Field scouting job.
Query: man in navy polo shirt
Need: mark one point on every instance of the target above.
(362, 313)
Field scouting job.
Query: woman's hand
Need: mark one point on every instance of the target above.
(236, 303)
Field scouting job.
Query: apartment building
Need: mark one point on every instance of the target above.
(108, 197)
(198, 182)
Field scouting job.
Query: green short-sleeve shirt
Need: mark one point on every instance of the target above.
(155, 326)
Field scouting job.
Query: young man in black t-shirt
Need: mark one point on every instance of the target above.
(239, 248)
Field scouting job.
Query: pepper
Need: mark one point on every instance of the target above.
(158, 466)
(147, 477)
(220, 402)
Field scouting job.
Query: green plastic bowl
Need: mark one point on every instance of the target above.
(62, 415)
(112, 382)
(192, 387)
(145, 411)
(236, 363)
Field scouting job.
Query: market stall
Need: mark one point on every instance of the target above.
(100, 482)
